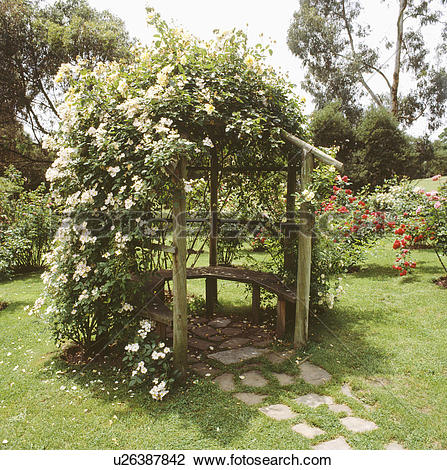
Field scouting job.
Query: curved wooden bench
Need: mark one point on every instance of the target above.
(158, 311)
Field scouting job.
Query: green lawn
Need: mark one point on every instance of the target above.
(429, 185)
(386, 337)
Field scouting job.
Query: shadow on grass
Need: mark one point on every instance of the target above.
(343, 340)
(195, 404)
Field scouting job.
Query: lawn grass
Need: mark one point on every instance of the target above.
(429, 185)
(386, 337)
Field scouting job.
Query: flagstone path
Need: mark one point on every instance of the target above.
(228, 342)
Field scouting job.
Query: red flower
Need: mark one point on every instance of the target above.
(345, 179)
(361, 203)
(352, 199)
(348, 191)
(399, 231)
(396, 244)
(403, 272)
(408, 237)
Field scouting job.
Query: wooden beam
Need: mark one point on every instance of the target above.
(323, 157)
(180, 320)
(211, 284)
(304, 259)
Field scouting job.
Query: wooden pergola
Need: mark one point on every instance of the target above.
(179, 270)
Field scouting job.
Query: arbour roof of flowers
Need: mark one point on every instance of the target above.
(179, 95)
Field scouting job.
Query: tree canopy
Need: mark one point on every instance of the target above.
(35, 39)
(333, 41)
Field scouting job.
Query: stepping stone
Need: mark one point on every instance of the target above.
(358, 424)
(231, 331)
(340, 408)
(262, 343)
(225, 382)
(234, 343)
(203, 369)
(233, 356)
(307, 431)
(277, 358)
(335, 444)
(278, 412)
(220, 322)
(253, 378)
(197, 343)
(313, 374)
(203, 331)
(284, 379)
(216, 338)
(250, 398)
(193, 359)
(198, 319)
(313, 400)
(394, 446)
(346, 390)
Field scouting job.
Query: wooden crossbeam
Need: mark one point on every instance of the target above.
(323, 157)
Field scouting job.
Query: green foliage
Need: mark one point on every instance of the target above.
(330, 128)
(149, 361)
(381, 148)
(27, 222)
(125, 127)
(35, 39)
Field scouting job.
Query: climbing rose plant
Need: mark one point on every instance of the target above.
(124, 127)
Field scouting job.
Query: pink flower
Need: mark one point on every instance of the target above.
(437, 205)
(436, 177)
(418, 210)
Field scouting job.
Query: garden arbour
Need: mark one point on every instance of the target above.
(134, 137)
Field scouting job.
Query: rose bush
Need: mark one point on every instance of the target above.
(124, 127)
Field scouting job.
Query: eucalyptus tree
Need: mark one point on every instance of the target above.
(335, 45)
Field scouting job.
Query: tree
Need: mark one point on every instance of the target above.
(382, 148)
(330, 127)
(35, 40)
(328, 36)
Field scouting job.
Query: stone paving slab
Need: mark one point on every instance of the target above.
(234, 343)
(220, 322)
(278, 412)
(200, 344)
(225, 382)
(313, 374)
(253, 378)
(313, 400)
(262, 343)
(216, 338)
(231, 331)
(307, 431)
(203, 369)
(250, 398)
(340, 408)
(233, 356)
(335, 444)
(278, 358)
(394, 446)
(203, 331)
(358, 424)
(284, 379)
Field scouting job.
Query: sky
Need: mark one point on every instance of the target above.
(271, 19)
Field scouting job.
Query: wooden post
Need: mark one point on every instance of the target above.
(289, 233)
(180, 320)
(211, 284)
(280, 318)
(304, 258)
(255, 303)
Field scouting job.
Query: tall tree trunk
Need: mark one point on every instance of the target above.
(396, 74)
